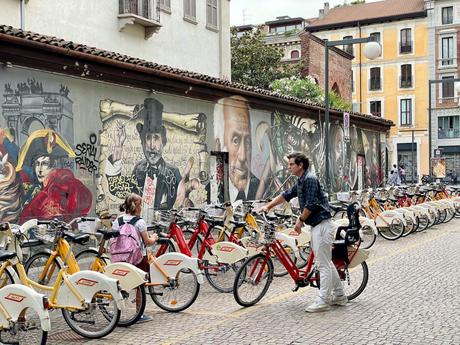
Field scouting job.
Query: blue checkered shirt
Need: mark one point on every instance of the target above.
(311, 196)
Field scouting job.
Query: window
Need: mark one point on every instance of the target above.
(448, 88)
(190, 9)
(348, 47)
(295, 54)
(211, 13)
(375, 79)
(405, 44)
(375, 36)
(406, 76)
(406, 112)
(141, 8)
(447, 15)
(447, 57)
(449, 127)
(376, 108)
(165, 5)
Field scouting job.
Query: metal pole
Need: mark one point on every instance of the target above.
(22, 14)
(413, 163)
(430, 83)
(326, 114)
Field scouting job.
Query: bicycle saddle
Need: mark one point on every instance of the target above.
(32, 243)
(214, 222)
(79, 239)
(107, 234)
(238, 224)
(5, 255)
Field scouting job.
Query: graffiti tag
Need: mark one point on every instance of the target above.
(120, 186)
(86, 155)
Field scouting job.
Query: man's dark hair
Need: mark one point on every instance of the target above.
(299, 158)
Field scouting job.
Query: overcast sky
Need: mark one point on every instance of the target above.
(260, 11)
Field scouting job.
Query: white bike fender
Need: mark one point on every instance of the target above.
(15, 298)
(229, 252)
(30, 224)
(289, 241)
(303, 239)
(360, 256)
(128, 275)
(87, 284)
(389, 215)
(172, 263)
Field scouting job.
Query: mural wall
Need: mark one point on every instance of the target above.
(71, 147)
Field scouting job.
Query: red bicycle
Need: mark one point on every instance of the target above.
(256, 274)
(198, 243)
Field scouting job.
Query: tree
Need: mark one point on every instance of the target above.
(255, 63)
(306, 88)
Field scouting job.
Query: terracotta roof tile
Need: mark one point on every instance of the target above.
(175, 72)
(368, 11)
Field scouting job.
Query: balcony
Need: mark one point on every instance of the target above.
(375, 84)
(405, 47)
(405, 82)
(145, 13)
(450, 62)
(448, 133)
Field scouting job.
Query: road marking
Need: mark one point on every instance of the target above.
(243, 311)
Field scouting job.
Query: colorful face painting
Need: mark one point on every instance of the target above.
(159, 155)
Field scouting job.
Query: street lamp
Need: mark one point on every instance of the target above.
(372, 50)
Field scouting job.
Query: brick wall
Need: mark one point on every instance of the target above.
(312, 53)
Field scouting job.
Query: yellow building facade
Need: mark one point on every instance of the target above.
(393, 86)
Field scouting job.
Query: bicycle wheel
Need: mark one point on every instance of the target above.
(450, 213)
(253, 280)
(409, 228)
(221, 276)
(393, 231)
(355, 280)
(442, 216)
(279, 269)
(423, 222)
(368, 237)
(6, 278)
(135, 301)
(86, 259)
(26, 331)
(98, 320)
(304, 253)
(179, 294)
(35, 267)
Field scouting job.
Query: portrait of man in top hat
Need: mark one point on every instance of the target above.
(157, 180)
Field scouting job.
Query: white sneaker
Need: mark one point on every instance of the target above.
(317, 305)
(339, 300)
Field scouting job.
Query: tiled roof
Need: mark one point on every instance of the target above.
(368, 11)
(173, 73)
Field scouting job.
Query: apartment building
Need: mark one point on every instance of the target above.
(444, 26)
(395, 85)
(192, 35)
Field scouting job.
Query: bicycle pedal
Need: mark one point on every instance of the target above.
(296, 287)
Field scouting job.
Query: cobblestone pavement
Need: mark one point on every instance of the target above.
(412, 298)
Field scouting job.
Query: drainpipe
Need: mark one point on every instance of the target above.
(360, 74)
(22, 14)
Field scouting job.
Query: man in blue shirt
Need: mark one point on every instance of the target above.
(315, 212)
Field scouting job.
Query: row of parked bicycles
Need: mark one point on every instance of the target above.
(396, 212)
(231, 246)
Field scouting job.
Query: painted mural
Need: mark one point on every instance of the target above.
(36, 179)
(159, 155)
(257, 148)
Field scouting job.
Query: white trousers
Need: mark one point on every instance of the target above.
(322, 237)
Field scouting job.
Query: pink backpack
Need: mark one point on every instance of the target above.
(127, 246)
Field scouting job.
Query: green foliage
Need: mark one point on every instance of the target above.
(257, 64)
(306, 88)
